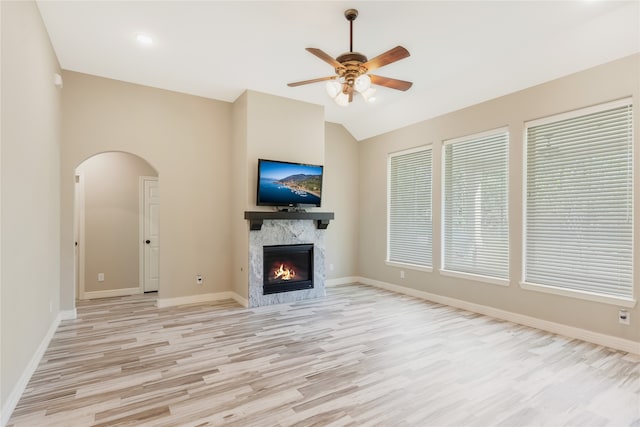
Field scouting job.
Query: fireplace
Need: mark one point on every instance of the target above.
(287, 268)
(288, 233)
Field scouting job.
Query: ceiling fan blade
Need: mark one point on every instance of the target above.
(390, 83)
(325, 57)
(306, 82)
(390, 56)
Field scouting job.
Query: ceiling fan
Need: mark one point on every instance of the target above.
(352, 70)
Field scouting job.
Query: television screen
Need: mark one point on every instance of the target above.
(288, 184)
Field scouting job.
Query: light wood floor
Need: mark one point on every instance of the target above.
(361, 356)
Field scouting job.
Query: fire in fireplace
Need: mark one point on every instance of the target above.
(287, 268)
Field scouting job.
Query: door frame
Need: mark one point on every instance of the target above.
(141, 229)
(79, 228)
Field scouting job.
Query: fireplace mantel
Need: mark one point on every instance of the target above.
(256, 218)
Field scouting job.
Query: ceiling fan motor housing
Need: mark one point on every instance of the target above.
(352, 57)
(352, 67)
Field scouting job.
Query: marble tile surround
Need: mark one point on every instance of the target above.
(285, 232)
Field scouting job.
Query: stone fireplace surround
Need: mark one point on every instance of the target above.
(285, 232)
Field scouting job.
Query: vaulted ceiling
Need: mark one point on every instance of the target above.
(462, 52)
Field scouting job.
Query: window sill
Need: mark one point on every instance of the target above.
(476, 277)
(589, 296)
(409, 266)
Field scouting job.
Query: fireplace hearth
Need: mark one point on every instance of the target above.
(287, 268)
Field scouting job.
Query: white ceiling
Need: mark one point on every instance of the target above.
(462, 53)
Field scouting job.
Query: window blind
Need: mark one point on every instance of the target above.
(409, 207)
(579, 210)
(476, 224)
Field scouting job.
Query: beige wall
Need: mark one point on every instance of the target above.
(608, 82)
(281, 129)
(239, 187)
(30, 227)
(341, 169)
(186, 139)
(112, 219)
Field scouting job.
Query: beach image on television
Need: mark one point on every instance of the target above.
(290, 183)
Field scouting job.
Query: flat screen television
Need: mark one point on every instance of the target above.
(289, 184)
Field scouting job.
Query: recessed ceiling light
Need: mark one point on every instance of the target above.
(144, 39)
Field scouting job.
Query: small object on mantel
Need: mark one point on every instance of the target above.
(256, 218)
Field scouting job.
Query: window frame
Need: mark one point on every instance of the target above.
(466, 275)
(563, 291)
(388, 261)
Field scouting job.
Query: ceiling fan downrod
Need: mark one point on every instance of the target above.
(351, 15)
(351, 62)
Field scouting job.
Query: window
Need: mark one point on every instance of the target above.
(409, 208)
(579, 210)
(476, 226)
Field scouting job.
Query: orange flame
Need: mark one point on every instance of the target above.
(284, 273)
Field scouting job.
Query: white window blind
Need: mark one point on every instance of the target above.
(476, 224)
(579, 210)
(409, 207)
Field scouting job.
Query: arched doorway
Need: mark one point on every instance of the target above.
(115, 226)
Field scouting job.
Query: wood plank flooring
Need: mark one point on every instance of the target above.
(360, 356)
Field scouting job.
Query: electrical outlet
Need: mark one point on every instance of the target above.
(330, 267)
(402, 274)
(198, 279)
(624, 317)
(100, 277)
(50, 307)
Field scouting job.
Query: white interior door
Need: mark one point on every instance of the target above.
(151, 243)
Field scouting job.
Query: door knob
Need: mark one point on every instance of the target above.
(147, 241)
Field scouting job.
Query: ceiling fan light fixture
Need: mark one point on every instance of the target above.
(369, 95)
(342, 99)
(362, 83)
(333, 88)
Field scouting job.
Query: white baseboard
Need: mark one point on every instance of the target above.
(69, 314)
(112, 293)
(341, 281)
(553, 327)
(240, 300)
(195, 299)
(21, 385)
